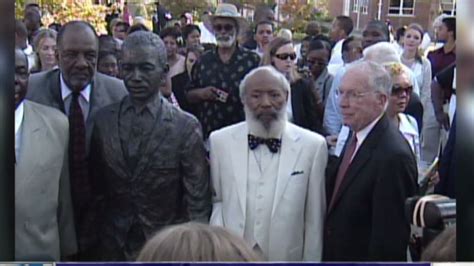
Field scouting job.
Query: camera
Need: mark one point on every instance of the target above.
(429, 216)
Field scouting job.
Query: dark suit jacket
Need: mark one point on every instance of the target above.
(45, 88)
(179, 85)
(169, 185)
(367, 221)
(306, 107)
(447, 166)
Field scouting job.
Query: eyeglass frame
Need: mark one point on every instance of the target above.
(353, 94)
(397, 90)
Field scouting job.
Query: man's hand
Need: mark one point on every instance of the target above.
(208, 93)
(331, 140)
(443, 120)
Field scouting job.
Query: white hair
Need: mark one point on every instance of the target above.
(270, 70)
(255, 126)
(139, 20)
(439, 20)
(379, 79)
(382, 53)
(286, 34)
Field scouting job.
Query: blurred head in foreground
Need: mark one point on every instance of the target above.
(196, 242)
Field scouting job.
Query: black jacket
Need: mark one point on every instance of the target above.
(367, 221)
(306, 106)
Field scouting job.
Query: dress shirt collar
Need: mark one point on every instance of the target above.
(152, 107)
(66, 91)
(19, 113)
(28, 50)
(363, 133)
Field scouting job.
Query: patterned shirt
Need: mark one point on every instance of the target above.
(211, 71)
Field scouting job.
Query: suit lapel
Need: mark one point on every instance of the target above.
(32, 139)
(290, 151)
(97, 100)
(361, 157)
(240, 148)
(115, 143)
(55, 91)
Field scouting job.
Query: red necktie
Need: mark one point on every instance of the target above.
(77, 155)
(346, 161)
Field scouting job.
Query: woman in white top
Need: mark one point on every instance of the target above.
(398, 101)
(420, 65)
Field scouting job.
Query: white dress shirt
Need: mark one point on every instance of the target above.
(19, 114)
(84, 99)
(363, 133)
(452, 101)
(30, 55)
(361, 136)
(336, 61)
(206, 35)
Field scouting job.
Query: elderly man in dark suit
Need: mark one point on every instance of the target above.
(44, 222)
(147, 157)
(375, 174)
(77, 90)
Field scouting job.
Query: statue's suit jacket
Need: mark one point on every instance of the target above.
(44, 224)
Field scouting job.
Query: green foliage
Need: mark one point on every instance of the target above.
(61, 11)
(296, 15)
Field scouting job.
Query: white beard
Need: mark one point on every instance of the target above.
(257, 128)
(228, 43)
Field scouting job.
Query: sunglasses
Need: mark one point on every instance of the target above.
(397, 90)
(226, 27)
(285, 56)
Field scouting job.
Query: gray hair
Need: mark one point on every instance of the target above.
(144, 38)
(382, 53)
(268, 69)
(379, 78)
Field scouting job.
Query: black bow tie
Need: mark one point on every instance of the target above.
(272, 144)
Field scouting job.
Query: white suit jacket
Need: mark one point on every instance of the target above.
(299, 205)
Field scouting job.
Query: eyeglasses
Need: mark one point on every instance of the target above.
(351, 95)
(285, 56)
(397, 90)
(226, 27)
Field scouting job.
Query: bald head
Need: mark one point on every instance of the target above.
(21, 76)
(74, 27)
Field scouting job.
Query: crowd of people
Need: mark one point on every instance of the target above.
(227, 140)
